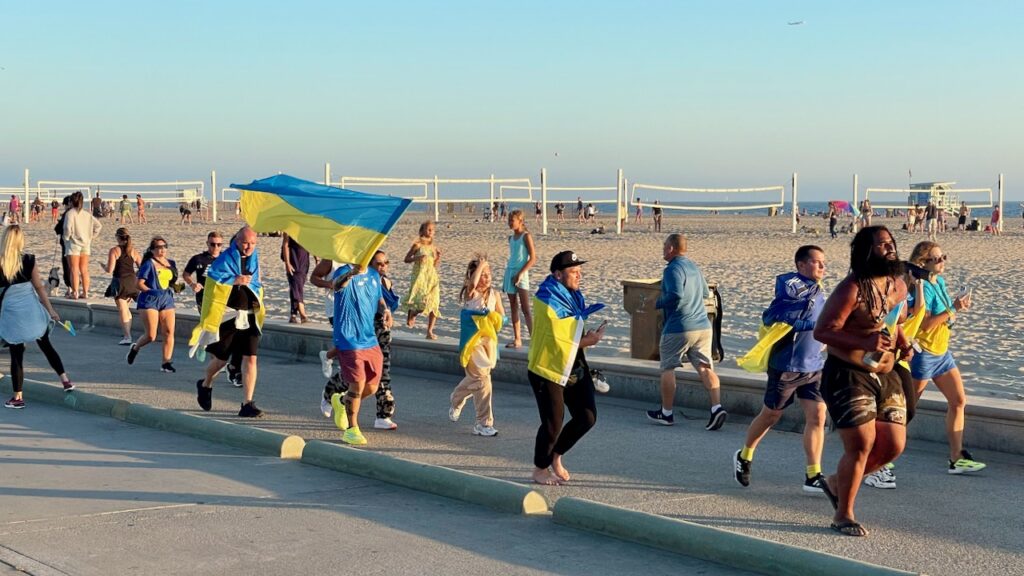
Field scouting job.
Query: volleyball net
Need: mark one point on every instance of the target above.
(707, 199)
(176, 192)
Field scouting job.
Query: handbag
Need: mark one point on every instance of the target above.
(113, 288)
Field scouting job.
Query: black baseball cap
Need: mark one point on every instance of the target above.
(566, 259)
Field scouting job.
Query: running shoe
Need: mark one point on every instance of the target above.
(132, 353)
(481, 430)
(204, 396)
(234, 376)
(814, 485)
(717, 419)
(249, 410)
(600, 384)
(385, 424)
(338, 410)
(167, 367)
(16, 403)
(880, 480)
(68, 386)
(325, 407)
(126, 341)
(354, 437)
(454, 412)
(326, 364)
(742, 470)
(658, 416)
(965, 464)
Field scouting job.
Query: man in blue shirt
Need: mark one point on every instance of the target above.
(687, 332)
(794, 365)
(356, 298)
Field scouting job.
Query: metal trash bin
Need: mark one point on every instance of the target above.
(639, 297)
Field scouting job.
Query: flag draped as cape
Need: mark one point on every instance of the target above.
(334, 223)
(474, 325)
(220, 278)
(558, 318)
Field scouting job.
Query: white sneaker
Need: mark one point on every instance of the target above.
(126, 341)
(326, 364)
(880, 480)
(454, 413)
(384, 424)
(600, 384)
(484, 430)
(325, 407)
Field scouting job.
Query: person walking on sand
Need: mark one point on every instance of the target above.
(557, 367)
(638, 217)
(425, 289)
(157, 278)
(794, 366)
(80, 229)
(996, 220)
(125, 208)
(141, 207)
(516, 283)
(26, 314)
(934, 361)
(123, 261)
(481, 320)
(687, 332)
(862, 391)
(656, 214)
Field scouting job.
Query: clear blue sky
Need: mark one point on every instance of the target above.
(678, 93)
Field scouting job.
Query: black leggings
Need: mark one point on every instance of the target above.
(18, 361)
(552, 399)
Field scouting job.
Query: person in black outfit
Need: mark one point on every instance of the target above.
(197, 265)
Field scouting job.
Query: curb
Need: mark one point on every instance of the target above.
(238, 435)
(500, 495)
(708, 543)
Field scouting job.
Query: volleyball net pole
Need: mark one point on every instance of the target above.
(854, 208)
(24, 208)
(796, 207)
(1002, 215)
(213, 196)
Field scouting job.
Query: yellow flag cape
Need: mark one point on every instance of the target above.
(756, 360)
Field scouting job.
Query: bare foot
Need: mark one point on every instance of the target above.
(431, 336)
(558, 470)
(516, 344)
(545, 477)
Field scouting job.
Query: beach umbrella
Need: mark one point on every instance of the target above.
(334, 223)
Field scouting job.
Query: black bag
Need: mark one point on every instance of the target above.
(113, 288)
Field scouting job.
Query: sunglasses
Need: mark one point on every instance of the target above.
(214, 244)
(942, 258)
(382, 263)
(159, 246)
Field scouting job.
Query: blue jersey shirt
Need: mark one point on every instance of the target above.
(683, 291)
(798, 302)
(354, 307)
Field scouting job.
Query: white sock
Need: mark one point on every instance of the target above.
(715, 407)
(666, 412)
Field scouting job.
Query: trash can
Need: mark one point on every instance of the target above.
(639, 297)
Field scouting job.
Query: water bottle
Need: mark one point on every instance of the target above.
(872, 359)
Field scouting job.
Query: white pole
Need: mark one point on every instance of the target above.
(795, 205)
(25, 205)
(544, 201)
(213, 196)
(1002, 215)
(437, 205)
(490, 207)
(327, 173)
(854, 207)
(620, 204)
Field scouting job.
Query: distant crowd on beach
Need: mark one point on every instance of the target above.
(862, 354)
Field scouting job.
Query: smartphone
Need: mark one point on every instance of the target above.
(965, 291)
(603, 324)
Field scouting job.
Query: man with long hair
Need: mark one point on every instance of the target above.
(863, 393)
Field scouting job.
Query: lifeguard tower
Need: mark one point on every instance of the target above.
(941, 193)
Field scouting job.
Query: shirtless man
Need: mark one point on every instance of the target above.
(863, 393)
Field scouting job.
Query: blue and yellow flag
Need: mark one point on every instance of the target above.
(756, 359)
(474, 325)
(220, 278)
(334, 223)
(558, 317)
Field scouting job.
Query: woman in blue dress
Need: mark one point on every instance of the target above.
(516, 283)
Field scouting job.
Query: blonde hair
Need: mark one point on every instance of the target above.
(11, 245)
(921, 251)
(423, 228)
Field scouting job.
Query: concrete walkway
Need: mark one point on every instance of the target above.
(933, 523)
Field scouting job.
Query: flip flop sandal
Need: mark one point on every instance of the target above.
(849, 528)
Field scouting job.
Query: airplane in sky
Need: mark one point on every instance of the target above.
(796, 23)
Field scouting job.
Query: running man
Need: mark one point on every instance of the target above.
(863, 392)
(687, 332)
(794, 365)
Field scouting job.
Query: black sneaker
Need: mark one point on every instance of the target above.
(742, 469)
(167, 367)
(815, 485)
(204, 396)
(249, 410)
(234, 376)
(132, 353)
(658, 416)
(717, 419)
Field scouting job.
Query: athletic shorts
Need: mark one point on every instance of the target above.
(694, 345)
(925, 365)
(855, 397)
(246, 342)
(158, 300)
(363, 365)
(783, 387)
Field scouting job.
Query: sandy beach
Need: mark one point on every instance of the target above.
(742, 253)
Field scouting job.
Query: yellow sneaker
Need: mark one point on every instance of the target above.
(354, 437)
(338, 408)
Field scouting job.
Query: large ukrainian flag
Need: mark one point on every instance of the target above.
(342, 225)
(220, 278)
(474, 326)
(558, 318)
